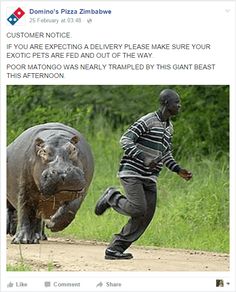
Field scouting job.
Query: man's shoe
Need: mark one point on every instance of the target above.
(102, 204)
(117, 255)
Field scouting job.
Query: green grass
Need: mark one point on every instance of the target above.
(190, 215)
(22, 267)
(19, 267)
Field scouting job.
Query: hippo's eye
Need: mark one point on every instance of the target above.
(42, 152)
(72, 150)
(45, 155)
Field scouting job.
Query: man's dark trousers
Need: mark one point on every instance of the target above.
(139, 204)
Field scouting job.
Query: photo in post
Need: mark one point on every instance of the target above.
(189, 230)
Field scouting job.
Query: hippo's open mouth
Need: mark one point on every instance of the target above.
(49, 205)
(64, 195)
(80, 191)
(69, 195)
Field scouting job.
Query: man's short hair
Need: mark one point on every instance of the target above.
(166, 94)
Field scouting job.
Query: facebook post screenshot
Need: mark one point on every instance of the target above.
(117, 146)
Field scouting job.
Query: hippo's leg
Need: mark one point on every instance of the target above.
(43, 235)
(11, 219)
(40, 229)
(64, 215)
(27, 222)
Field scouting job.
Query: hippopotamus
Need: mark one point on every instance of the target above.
(49, 170)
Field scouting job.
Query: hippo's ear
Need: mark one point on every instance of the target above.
(74, 140)
(39, 143)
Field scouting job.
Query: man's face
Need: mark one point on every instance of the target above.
(173, 105)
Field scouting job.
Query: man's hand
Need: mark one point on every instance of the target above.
(185, 174)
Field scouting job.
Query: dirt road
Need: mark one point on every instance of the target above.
(71, 255)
